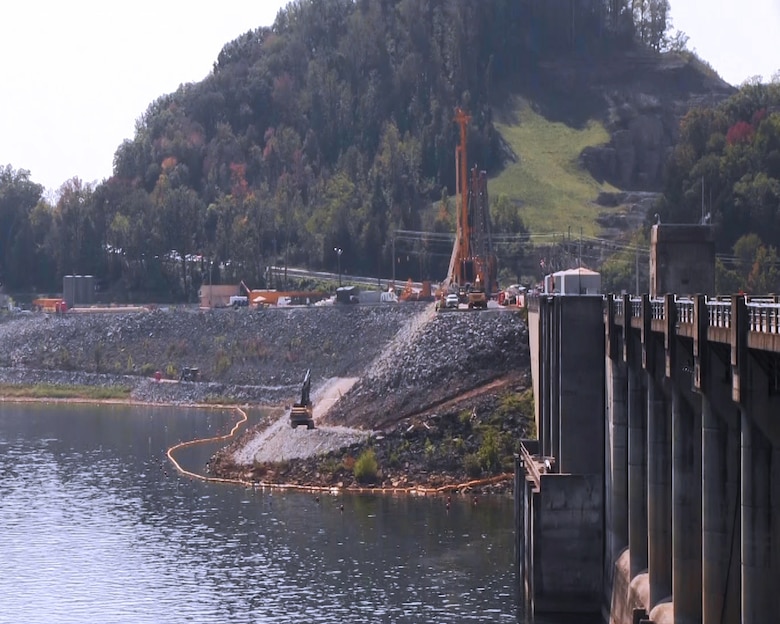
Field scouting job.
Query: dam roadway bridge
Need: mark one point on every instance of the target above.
(653, 491)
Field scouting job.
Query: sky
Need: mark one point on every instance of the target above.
(75, 75)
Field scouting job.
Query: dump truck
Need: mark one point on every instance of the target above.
(301, 413)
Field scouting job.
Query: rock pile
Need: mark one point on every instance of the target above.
(268, 348)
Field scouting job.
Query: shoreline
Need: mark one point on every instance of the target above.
(416, 487)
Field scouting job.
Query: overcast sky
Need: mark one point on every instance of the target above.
(76, 74)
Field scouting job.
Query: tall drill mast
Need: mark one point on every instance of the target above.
(472, 257)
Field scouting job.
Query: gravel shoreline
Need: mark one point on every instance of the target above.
(373, 367)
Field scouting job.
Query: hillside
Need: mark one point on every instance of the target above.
(589, 141)
(333, 129)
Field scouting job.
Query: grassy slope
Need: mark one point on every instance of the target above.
(554, 192)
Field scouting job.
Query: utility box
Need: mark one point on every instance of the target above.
(682, 259)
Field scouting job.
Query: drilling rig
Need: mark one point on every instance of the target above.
(472, 271)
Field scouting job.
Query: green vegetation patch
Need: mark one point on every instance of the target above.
(547, 181)
(51, 391)
(366, 468)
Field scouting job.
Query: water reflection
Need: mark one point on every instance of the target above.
(96, 526)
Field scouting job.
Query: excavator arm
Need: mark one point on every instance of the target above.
(302, 413)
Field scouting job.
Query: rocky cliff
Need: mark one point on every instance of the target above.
(640, 98)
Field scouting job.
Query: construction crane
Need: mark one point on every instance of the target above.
(472, 271)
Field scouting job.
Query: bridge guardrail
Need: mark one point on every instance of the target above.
(763, 312)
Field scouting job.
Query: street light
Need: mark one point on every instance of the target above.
(339, 251)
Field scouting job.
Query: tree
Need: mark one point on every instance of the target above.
(651, 18)
(18, 197)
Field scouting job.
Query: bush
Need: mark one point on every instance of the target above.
(471, 465)
(147, 370)
(489, 452)
(366, 468)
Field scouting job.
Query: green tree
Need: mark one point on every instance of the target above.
(18, 197)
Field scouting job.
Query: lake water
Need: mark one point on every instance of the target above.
(96, 526)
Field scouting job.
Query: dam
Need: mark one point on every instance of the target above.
(652, 493)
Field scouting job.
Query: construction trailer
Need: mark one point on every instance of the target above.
(217, 296)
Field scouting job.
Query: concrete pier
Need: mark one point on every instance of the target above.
(637, 473)
(686, 511)
(721, 531)
(759, 585)
(617, 464)
(659, 494)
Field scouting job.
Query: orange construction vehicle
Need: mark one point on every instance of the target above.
(50, 304)
(472, 272)
(410, 293)
(261, 297)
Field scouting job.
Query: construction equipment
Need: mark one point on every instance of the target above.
(50, 304)
(473, 262)
(189, 373)
(302, 412)
(477, 298)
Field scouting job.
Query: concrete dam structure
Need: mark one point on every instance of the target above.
(653, 491)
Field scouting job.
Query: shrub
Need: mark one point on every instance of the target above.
(366, 468)
(222, 364)
(489, 452)
(464, 416)
(471, 465)
(147, 369)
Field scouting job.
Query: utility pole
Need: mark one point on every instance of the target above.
(393, 241)
(339, 251)
(636, 271)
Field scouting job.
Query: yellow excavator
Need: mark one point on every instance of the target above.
(302, 412)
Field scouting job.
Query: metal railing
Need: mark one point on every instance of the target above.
(763, 313)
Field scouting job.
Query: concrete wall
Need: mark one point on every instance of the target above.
(561, 517)
(568, 538)
(580, 379)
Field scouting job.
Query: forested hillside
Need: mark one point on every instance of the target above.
(331, 129)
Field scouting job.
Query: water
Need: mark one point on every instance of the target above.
(96, 526)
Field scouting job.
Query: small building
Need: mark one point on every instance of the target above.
(579, 281)
(211, 296)
(682, 259)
